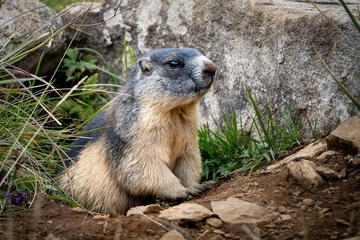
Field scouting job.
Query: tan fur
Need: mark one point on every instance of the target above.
(93, 177)
(156, 153)
(176, 139)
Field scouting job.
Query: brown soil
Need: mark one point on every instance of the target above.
(335, 214)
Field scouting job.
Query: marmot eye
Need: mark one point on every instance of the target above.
(174, 64)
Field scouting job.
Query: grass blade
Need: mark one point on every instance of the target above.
(342, 87)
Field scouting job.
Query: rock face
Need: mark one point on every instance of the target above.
(31, 19)
(266, 45)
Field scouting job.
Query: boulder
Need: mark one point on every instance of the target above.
(21, 21)
(265, 45)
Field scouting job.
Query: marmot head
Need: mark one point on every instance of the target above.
(174, 76)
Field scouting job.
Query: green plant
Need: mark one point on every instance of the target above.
(76, 66)
(33, 140)
(85, 102)
(313, 127)
(127, 58)
(230, 149)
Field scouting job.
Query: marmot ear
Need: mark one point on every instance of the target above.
(145, 66)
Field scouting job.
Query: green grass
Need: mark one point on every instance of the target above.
(59, 5)
(37, 119)
(230, 149)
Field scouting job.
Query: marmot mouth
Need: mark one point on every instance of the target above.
(203, 89)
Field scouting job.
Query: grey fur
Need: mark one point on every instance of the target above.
(156, 110)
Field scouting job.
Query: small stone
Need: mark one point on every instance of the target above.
(282, 209)
(172, 235)
(217, 231)
(356, 160)
(342, 173)
(189, 211)
(309, 151)
(59, 228)
(324, 155)
(153, 209)
(308, 202)
(324, 210)
(51, 236)
(342, 221)
(214, 222)
(327, 172)
(297, 193)
(148, 209)
(305, 173)
(234, 210)
(228, 235)
(285, 217)
(303, 233)
(271, 225)
(100, 217)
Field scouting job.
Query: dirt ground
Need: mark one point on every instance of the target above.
(333, 211)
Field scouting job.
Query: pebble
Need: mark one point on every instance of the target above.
(282, 209)
(101, 217)
(217, 231)
(172, 235)
(285, 217)
(59, 228)
(214, 222)
(325, 210)
(303, 233)
(308, 202)
(342, 221)
(51, 236)
(271, 225)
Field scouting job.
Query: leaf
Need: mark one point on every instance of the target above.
(73, 54)
(90, 62)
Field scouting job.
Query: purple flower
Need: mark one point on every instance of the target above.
(15, 197)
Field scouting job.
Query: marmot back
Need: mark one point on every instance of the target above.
(144, 145)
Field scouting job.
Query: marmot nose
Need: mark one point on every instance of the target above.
(209, 71)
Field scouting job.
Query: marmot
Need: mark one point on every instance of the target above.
(144, 145)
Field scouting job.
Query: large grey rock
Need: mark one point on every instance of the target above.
(266, 45)
(22, 20)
